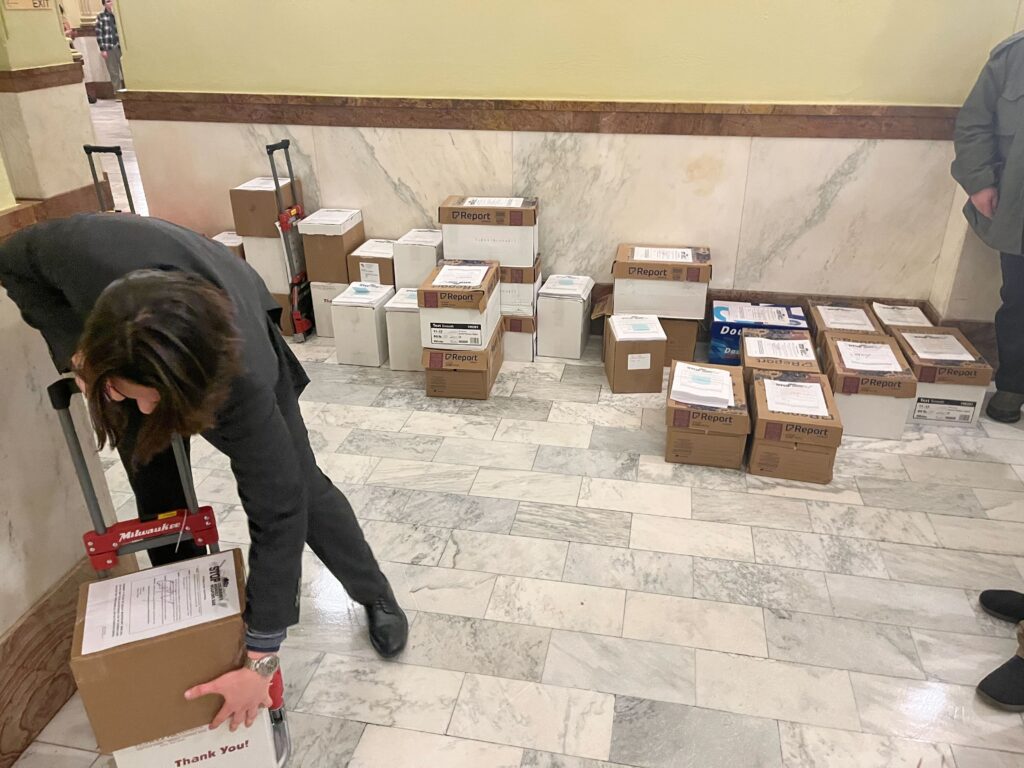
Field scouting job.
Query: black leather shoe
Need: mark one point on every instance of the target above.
(1005, 407)
(389, 627)
(1004, 604)
(1004, 688)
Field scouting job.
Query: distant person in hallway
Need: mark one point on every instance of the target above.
(989, 165)
(110, 43)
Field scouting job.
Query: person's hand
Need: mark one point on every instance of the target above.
(103, 54)
(76, 363)
(986, 201)
(244, 692)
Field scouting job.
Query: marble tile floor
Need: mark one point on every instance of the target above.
(578, 603)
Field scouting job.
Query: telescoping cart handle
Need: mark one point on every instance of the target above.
(283, 146)
(92, 149)
(104, 543)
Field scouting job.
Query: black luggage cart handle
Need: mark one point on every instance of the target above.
(93, 149)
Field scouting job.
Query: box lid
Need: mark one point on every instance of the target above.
(779, 395)
(732, 420)
(263, 183)
(404, 300)
(431, 237)
(896, 314)
(231, 239)
(577, 287)
(943, 356)
(867, 364)
(845, 316)
(637, 328)
(375, 249)
(757, 315)
(330, 221)
(788, 345)
(494, 211)
(455, 284)
(364, 295)
(320, 286)
(691, 264)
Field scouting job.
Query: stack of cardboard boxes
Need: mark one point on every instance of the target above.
(775, 350)
(706, 416)
(142, 640)
(328, 237)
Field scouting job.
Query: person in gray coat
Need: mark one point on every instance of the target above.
(168, 331)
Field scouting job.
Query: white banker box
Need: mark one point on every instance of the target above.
(520, 338)
(405, 352)
(502, 229)
(323, 295)
(416, 253)
(245, 748)
(563, 316)
(667, 281)
(267, 256)
(459, 306)
(360, 325)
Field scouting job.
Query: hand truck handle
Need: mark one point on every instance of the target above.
(90, 150)
(60, 393)
(282, 146)
(94, 149)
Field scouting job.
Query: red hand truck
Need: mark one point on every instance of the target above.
(105, 542)
(288, 217)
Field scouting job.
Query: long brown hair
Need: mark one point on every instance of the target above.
(170, 331)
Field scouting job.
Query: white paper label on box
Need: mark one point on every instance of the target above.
(575, 286)
(263, 183)
(369, 272)
(796, 397)
(334, 217)
(421, 237)
(937, 409)
(381, 249)
(454, 276)
(637, 328)
(937, 346)
(457, 334)
(638, 362)
(364, 293)
(245, 748)
(160, 600)
(778, 349)
(846, 318)
(494, 202)
(696, 385)
(229, 238)
(894, 315)
(868, 356)
(759, 315)
(663, 254)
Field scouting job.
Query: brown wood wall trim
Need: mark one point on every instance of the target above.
(771, 120)
(29, 212)
(37, 78)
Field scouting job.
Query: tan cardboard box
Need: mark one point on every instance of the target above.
(254, 205)
(233, 242)
(133, 690)
(791, 445)
(763, 349)
(520, 338)
(328, 237)
(286, 324)
(634, 353)
(474, 297)
(502, 229)
(843, 316)
(853, 376)
(459, 305)
(373, 262)
(963, 364)
(668, 281)
(464, 373)
(709, 437)
(682, 339)
(500, 212)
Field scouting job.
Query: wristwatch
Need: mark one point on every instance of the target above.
(264, 666)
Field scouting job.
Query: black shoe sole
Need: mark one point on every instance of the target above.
(1000, 616)
(999, 704)
(1003, 417)
(386, 655)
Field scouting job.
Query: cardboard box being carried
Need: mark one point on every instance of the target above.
(403, 317)
(328, 237)
(952, 377)
(459, 305)
(892, 316)
(360, 325)
(667, 281)
(467, 374)
(373, 262)
(416, 255)
(634, 353)
(520, 338)
(245, 748)
(729, 318)
(323, 295)
(563, 316)
(873, 384)
(254, 205)
(142, 640)
(842, 316)
(501, 229)
(519, 287)
(772, 350)
(797, 427)
(233, 242)
(702, 434)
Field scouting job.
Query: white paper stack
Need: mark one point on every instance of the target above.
(778, 349)
(868, 356)
(846, 319)
(637, 328)
(891, 314)
(796, 397)
(708, 387)
(937, 346)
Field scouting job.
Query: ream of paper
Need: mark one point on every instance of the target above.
(778, 349)
(382, 249)
(696, 385)
(364, 293)
(894, 315)
(868, 356)
(159, 601)
(937, 346)
(637, 328)
(759, 315)
(846, 318)
(494, 202)
(663, 254)
(796, 397)
(454, 276)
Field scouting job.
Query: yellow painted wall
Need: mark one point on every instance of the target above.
(817, 51)
(31, 39)
(6, 193)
